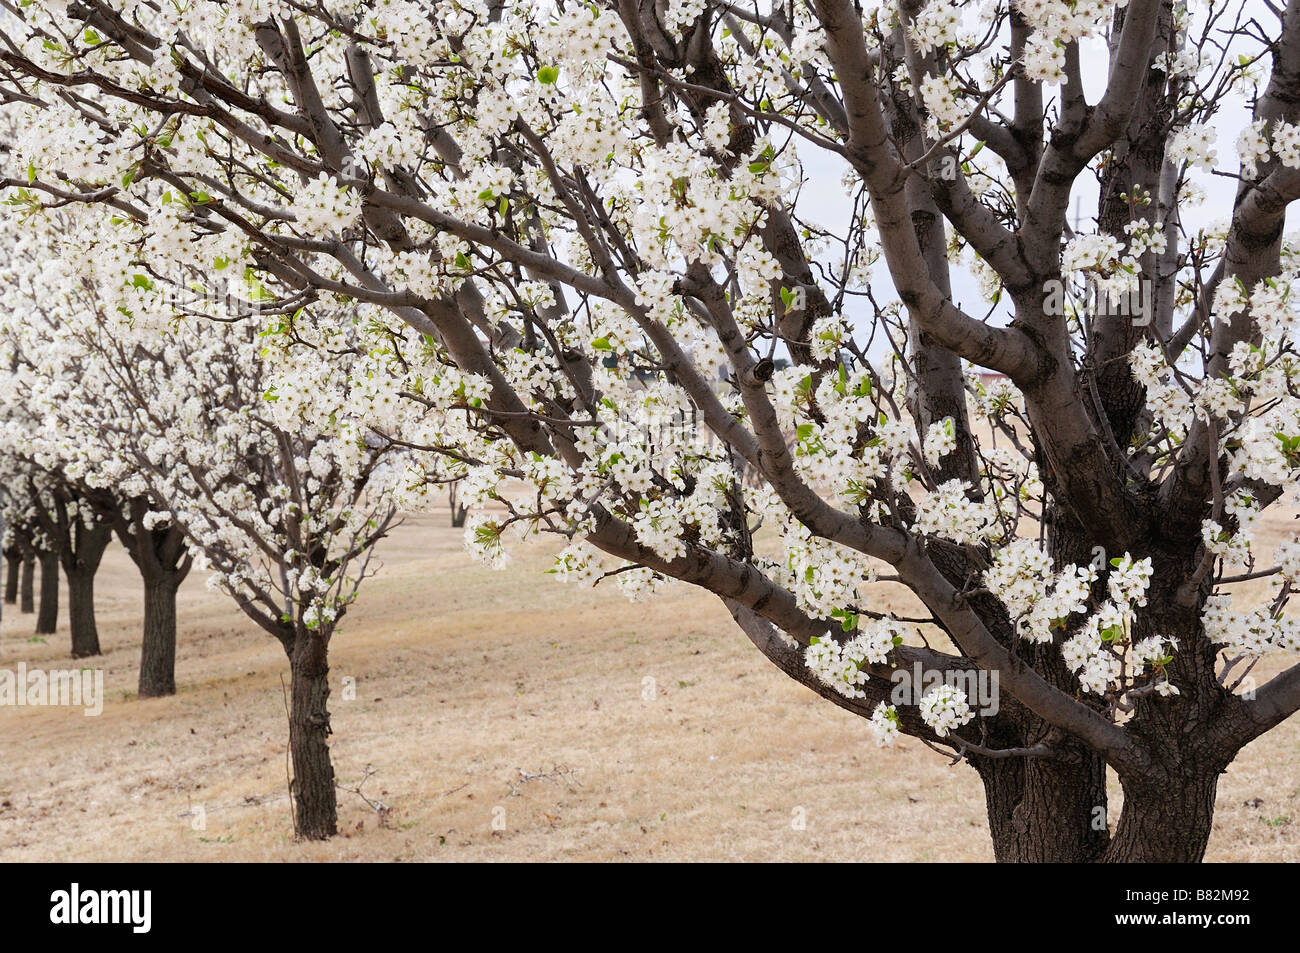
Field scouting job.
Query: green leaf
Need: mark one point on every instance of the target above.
(547, 75)
(602, 344)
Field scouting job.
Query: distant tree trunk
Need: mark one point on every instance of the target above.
(458, 510)
(81, 613)
(158, 645)
(27, 587)
(13, 570)
(160, 553)
(47, 620)
(80, 566)
(315, 808)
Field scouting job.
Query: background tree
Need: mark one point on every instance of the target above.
(195, 443)
(20, 577)
(13, 565)
(21, 501)
(159, 550)
(285, 518)
(73, 521)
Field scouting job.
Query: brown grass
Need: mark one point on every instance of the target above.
(466, 678)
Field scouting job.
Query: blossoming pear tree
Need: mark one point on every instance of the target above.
(72, 523)
(59, 414)
(205, 430)
(283, 509)
(563, 225)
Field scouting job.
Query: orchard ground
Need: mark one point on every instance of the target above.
(507, 717)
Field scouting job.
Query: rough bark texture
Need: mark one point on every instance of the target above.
(27, 585)
(1165, 823)
(81, 613)
(159, 552)
(80, 564)
(158, 644)
(315, 809)
(47, 620)
(13, 569)
(1046, 810)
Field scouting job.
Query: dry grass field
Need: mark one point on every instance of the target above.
(505, 696)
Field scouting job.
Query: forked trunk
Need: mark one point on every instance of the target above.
(315, 809)
(81, 613)
(1055, 809)
(47, 620)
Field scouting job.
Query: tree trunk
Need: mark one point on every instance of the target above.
(315, 811)
(158, 646)
(1166, 822)
(81, 613)
(47, 620)
(27, 586)
(13, 568)
(1046, 811)
(159, 553)
(458, 512)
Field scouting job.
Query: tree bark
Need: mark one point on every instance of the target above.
(27, 585)
(315, 809)
(158, 645)
(13, 569)
(80, 563)
(1046, 810)
(81, 613)
(1165, 822)
(159, 553)
(458, 511)
(47, 620)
